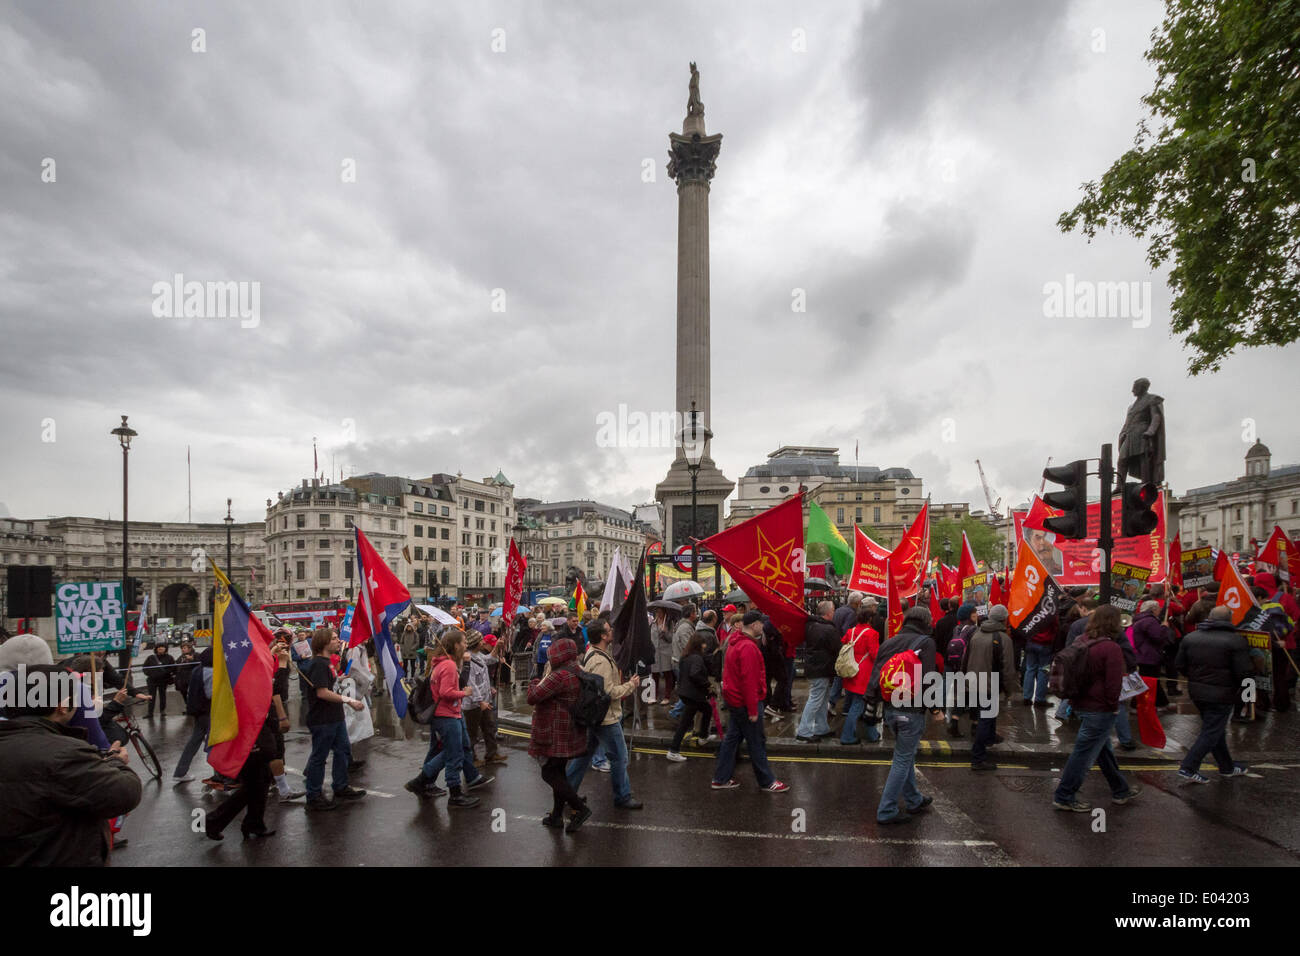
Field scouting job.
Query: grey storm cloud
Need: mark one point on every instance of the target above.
(502, 271)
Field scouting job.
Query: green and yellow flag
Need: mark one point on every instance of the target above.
(822, 531)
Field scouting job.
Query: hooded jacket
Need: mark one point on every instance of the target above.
(554, 731)
(744, 678)
(56, 794)
(982, 658)
(1149, 638)
(909, 638)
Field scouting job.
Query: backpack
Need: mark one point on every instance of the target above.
(419, 699)
(592, 705)
(902, 673)
(956, 651)
(1069, 669)
(846, 662)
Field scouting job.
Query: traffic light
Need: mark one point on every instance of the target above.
(1137, 516)
(1072, 499)
(135, 592)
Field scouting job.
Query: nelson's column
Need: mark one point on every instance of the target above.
(692, 155)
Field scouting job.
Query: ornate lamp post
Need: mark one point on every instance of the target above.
(695, 441)
(125, 433)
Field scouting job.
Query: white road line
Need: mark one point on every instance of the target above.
(988, 851)
(377, 793)
(753, 835)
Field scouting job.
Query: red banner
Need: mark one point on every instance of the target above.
(515, 565)
(913, 551)
(1074, 563)
(1176, 561)
(1275, 556)
(870, 563)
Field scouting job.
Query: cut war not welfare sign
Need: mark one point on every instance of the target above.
(89, 617)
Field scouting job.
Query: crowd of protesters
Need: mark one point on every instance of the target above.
(722, 672)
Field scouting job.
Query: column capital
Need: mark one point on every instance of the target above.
(693, 158)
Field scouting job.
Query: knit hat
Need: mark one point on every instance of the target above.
(473, 640)
(998, 613)
(965, 611)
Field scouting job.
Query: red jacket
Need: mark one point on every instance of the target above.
(865, 644)
(445, 684)
(744, 678)
(554, 732)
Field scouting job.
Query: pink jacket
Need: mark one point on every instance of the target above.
(445, 684)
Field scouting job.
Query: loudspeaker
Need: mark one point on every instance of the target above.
(31, 591)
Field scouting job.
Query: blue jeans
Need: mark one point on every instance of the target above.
(675, 710)
(1038, 663)
(1212, 739)
(609, 738)
(813, 723)
(327, 738)
(1122, 731)
(197, 736)
(455, 747)
(856, 708)
(739, 725)
(837, 690)
(908, 726)
(1092, 746)
(598, 755)
(435, 759)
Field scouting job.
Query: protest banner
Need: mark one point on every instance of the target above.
(1198, 567)
(975, 590)
(1127, 582)
(88, 617)
(1078, 562)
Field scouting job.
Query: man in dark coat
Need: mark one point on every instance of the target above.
(1216, 660)
(821, 645)
(57, 792)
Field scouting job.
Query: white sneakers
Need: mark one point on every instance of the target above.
(675, 757)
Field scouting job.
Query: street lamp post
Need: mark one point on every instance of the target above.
(124, 433)
(695, 440)
(229, 520)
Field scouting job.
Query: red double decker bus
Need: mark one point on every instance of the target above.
(325, 611)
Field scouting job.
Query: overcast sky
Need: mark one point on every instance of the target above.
(902, 163)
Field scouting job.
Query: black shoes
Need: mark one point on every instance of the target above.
(482, 781)
(320, 803)
(983, 765)
(631, 803)
(922, 806)
(349, 793)
(256, 834)
(555, 821)
(579, 818)
(458, 799)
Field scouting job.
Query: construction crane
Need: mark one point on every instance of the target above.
(1044, 484)
(988, 495)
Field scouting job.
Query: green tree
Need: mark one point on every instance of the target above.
(1217, 184)
(985, 542)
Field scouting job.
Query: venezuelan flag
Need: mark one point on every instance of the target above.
(242, 670)
(579, 600)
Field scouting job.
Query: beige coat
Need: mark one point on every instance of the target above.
(600, 663)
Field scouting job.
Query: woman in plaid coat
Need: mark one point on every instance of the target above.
(555, 737)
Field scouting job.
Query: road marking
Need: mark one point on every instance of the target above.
(988, 851)
(755, 835)
(377, 793)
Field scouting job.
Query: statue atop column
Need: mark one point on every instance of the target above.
(694, 105)
(1141, 448)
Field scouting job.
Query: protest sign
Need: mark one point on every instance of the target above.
(1127, 582)
(88, 617)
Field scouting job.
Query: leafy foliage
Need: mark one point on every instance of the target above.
(1216, 185)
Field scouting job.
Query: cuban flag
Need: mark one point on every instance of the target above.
(380, 598)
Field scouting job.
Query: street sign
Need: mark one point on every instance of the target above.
(88, 616)
(682, 558)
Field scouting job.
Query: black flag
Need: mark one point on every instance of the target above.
(633, 650)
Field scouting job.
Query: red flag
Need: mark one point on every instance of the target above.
(515, 565)
(1176, 561)
(936, 612)
(895, 620)
(995, 591)
(1293, 561)
(870, 564)
(1221, 565)
(949, 582)
(966, 565)
(1038, 512)
(909, 558)
(1149, 729)
(767, 549)
(1277, 554)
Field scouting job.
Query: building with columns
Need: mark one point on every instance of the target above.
(1231, 514)
(578, 538)
(171, 558)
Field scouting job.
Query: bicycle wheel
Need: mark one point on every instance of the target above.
(147, 756)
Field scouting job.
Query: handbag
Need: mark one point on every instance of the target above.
(1131, 686)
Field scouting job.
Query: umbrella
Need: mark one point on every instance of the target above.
(683, 590)
(552, 600)
(816, 584)
(736, 596)
(672, 607)
(557, 621)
